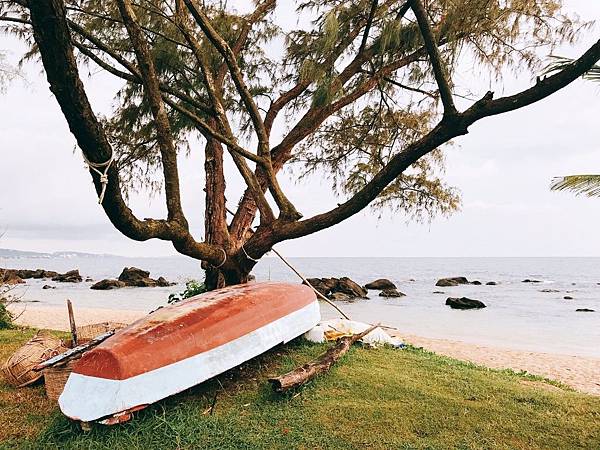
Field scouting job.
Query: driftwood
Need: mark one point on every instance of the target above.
(323, 363)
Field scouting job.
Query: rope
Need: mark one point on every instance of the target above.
(286, 262)
(310, 285)
(247, 255)
(224, 259)
(96, 167)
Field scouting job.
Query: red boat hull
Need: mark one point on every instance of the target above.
(182, 345)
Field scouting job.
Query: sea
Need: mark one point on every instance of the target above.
(518, 315)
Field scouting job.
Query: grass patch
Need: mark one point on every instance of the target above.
(381, 398)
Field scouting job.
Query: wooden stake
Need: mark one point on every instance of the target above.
(323, 363)
(72, 323)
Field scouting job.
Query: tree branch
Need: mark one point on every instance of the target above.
(447, 129)
(230, 59)
(365, 37)
(262, 9)
(133, 69)
(164, 136)
(439, 68)
(51, 34)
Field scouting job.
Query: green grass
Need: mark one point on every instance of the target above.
(381, 398)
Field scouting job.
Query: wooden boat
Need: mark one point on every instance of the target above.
(182, 345)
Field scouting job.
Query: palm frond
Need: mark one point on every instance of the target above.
(588, 185)
(558, 63)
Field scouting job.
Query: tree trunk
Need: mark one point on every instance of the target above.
(215, 213)
(217, 278)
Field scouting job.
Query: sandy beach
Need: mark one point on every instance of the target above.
(578, 372)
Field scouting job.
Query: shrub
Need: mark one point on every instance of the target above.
(192, 287)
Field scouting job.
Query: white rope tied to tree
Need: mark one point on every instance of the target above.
(102, 170)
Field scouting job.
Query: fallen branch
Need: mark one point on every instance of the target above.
(323, 363)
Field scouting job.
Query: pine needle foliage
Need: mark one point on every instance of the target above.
(337, 51)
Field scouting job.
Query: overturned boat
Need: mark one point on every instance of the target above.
(179, 346)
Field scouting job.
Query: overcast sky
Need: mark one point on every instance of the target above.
(502, 168)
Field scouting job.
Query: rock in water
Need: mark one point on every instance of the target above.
(584, 310)
(353, 289)
(105, 285)
(339, 296)
(391, 293)
(527, 280)
(464, 303)
(476, 283)
(491, 283)
(452, 281)
(72, 276)
(47, 286)
(161, 282)
(380, 284)
(568, 297)
(324, 285)
(330, 286)
(132, 276)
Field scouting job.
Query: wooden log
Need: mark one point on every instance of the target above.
(321, 364)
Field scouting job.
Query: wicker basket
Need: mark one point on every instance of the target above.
(86, 333)
(56, 377)
(18, 369)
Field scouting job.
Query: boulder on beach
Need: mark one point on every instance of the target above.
(47, 286)
(391, 293)
(464, 303)
(380, 284)
(8, 276)
(584, 310)
(72, 276)
(107, 284)
(452, 281)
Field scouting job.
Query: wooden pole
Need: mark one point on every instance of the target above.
(72, 323)
(323, 363)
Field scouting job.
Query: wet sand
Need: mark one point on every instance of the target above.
(581, 373)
